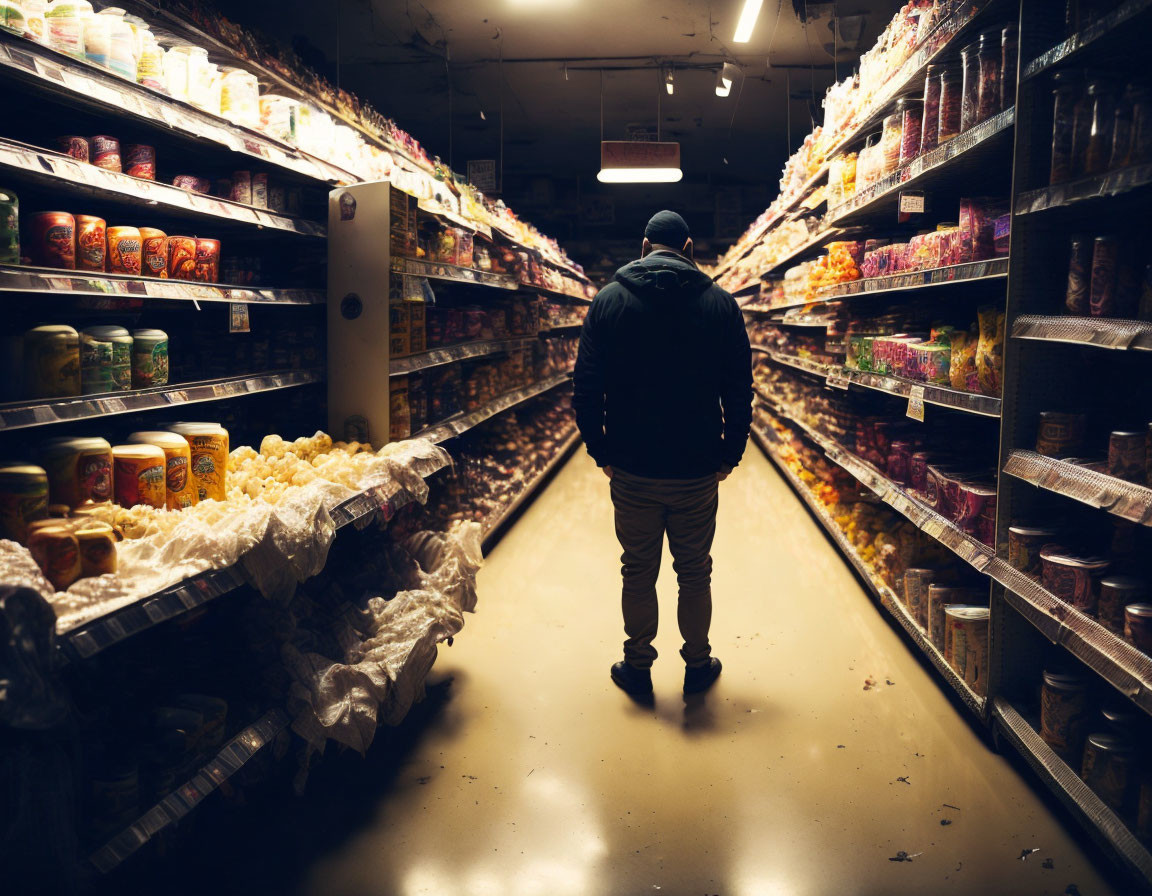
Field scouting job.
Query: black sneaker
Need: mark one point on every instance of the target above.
(698, 679)
(633, 681)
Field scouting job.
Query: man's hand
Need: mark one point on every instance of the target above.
(607, 471)
(724, 473)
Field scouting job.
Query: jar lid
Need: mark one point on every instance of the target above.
(1119, 715)
(66, 444)
(1064, 557)
(108, 333)
(1065, 681)
(23, 471)
(1111, 743)
(149, 334)
(968, 612)
(1144, 611)
(138, 451)
(1033, 531)
(1124, 583)
(196, 429)
(45, 330)
(1126, 435)
(159, 438)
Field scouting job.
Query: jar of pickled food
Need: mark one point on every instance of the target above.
(951, 101)
(930, 114)
(1066, 95)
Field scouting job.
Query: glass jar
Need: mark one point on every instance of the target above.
(176, 72)
(98, 41)
(930, 118)
(122, 46)
(990, 62)
(951, 102)
(150, 68)
(1069, 86)
(1102, 96)
(911, 112)
(890, 145)
(1122, 130)
(1008, 66)
(970, 91)
(1081, 132)
(66, 21)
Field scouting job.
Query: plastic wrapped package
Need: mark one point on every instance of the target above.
(970, 91)
(990, 62)
(990, 351)
(1102, 96)
(951, 105)
(890, 139)
(911, 112)
(1066, 95)
(962, 371)
(930, 118)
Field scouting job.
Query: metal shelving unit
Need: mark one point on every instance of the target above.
(449, 429)
(437, 357)
(1083, 483)
(942, 396)
(453, 273)
(1095, 37)
(1100, 186)
(1134, 335)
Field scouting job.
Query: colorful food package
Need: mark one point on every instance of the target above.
(192, 183)
(182, 258)
(207, 269)
(208, 445)
(53, 242)
(56, 550)
(51, 362)
(978, 228)
(23, 499)
(138, 474)
(153, 253)
(179, 489)
(9, 227)
(990, 351)
(149, 359)
(105, 152)
(91, 243)
(962, 365)
(95, 365)
(124, 250)
(121, 341)
(96, 540)
(399, 413)
(79, 470)
(140, 161)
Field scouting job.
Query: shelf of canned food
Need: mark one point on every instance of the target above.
(1101, 27)
(438, 357)
(885, 595)
(439, 271)
(25, 414)
(942, 396)
(62, 171)
(1135, 335)
(234, 755)
(1083, 482)
(1098, 186)
(455, 426)
(1101, 822)
(816, 368)
(92, 86)
(925, 170)
(20, 278)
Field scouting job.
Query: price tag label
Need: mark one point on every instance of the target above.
(912, 203)
(837, 381)
(238, 321)
(916, 403)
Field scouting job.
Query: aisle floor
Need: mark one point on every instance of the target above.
(539, 777)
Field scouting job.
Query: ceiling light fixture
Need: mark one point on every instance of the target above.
(668, 85)
(628, 162)
(725, 77)
(747, 21)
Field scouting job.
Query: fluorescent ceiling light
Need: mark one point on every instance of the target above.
(724, 79)
(668, 82)
(640, 162)
(639, 175)
(747, 21)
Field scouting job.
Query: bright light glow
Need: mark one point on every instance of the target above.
(639, 175)
(727, 75)
(668, 82)
(723, 87)
(747, 21)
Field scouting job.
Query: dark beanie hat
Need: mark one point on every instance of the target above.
(668, 229)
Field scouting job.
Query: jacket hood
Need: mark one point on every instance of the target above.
(663, 275)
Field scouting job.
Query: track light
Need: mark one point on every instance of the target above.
(747, 21)
(725, 77)
(668, 81)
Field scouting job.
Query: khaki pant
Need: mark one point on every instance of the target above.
(646, 509)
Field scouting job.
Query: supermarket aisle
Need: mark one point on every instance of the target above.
(540, 777)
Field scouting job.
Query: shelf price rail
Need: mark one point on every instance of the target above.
(1082, 483)
(455, 426)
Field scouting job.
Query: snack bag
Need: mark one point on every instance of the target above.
(990, 350)
(962, 369)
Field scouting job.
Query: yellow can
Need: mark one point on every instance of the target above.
(208, 444)
(138, 471)
(179, 487)
(56, 551)
(97, 543)
(23, 499)
(51, 362)
(79, 470)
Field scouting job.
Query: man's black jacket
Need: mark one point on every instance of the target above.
(664, 375)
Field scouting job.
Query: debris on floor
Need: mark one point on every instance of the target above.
(902, 856)
(869, 683)
(944, 822)
(1047, 864)
(904, 780)
(1024, 853)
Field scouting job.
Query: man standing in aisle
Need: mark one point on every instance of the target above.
(663, 397)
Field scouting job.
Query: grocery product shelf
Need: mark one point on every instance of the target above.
(455, 426)
(992, 269)
(437, 357)
(554, 294)
(561, 327)
(1099, 186)
(1097, 33)
(1084, 483)
(1101, 823)
(820, 323)
(21, 415)
(1096, 331)
(1106, 653)
(87, 85)
(797, 253)
(19, 278)
(942, 396)
(438, 271)
(816, 368)
(64, 173)
(884, 595)
(495, 526)
(184, 799)
(964, 157)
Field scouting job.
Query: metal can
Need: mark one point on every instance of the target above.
(124, 250)
(1064, 715)
(9, 227)
(138, 473)
(207, 268)
(1108, 769)
(208, 443)
(940, 598)
(242, 187)
(966, 637)
(96, 541)
(1079, 276)
(106, 152)
(1072, 578)
(91, 243)
(1102, 296)
(23, 499)
(277, 199)
(179, 490)
(1116, 593)
(153, 253)
(182, 257)
(1024, 546)
(95, 365)
(56, 551)
(260, 190)
(53, 240)
(74, 146)
(192, 183)
(1060, 434)
(121, 341)
(140, 161)
(51, 362)
(79, 470)
(1127, 455)
(149, 359)
(915, 593)
(1138, 626)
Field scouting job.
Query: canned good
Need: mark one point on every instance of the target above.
(1074, 579)
(1116, 593)
(192, 183)
(1079, 276)
(56, 551)
(277, 199)
(106, 152)
(182, 258)
(23, 499)
(1060, 434)
(1024, 544)
(149, 359)
(940, 597)
(207, 268)
(51, 362)
(1108, 768)
(260, 190)
(95, 365)
(208, 444)
(966, 632)
(96, 541)
(242, 187)
(53, 240)
(91, 243)
(79, 470)
(1138, 626)
(1102, 296)
(916, 583)
(153, 253)
(138, 473)
(1127, 455)
(124, 250)
(140, 161)
(9, 227)
(1064, 714)
(179, 490)
(76, 147)
(121, 341)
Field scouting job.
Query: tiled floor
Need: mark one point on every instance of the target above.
(539, 777)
